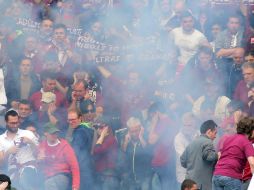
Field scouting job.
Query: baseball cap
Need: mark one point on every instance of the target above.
(50, 128)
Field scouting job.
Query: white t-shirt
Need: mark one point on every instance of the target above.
(188, 44)
(25, 153)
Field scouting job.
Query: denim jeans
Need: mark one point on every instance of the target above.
(26, 174)
(166, 177)
(58, 182)
(245, 185)
(226, 183)
(130, 183)
(107, 180)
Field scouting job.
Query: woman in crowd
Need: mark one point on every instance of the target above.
(105, 154)
(236, 150)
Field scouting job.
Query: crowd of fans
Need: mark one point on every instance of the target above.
(110, 94)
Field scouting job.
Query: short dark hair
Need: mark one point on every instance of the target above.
(245, 126)
(47, 75)
(84, 109)
(60, 25)
(24, 58)
(79, 114)
(205, 50)
(156, 106)
(5, 178)
(234, 15)
(186, 14)
(209, 124)
(187, 183)
(12, 113)
(26, 102)
(47, 18)
(85, 84)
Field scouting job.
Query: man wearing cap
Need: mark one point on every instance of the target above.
(58, 161)
(17, 150)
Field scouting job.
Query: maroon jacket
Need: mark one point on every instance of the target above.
(241, 94)
(106, 154)
(35, 100)
(247, 171)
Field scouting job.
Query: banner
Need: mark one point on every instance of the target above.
(232, 2)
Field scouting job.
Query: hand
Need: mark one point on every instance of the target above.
(155, 119)
(4, 185)
(74, 96)
(141, 133)
(104, 132)
(99, 110)
(220, 53)
(126, 141)
(69, 53)
(237, 116)
(12, 150)
(27, 140)
(127, 138)
(51, 108)
(41, 155)
(86, 96)
(251, 94)
(59, 4)
(67, 44)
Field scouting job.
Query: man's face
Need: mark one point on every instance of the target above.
(204, 60)
(79, 91)
(45, 106)
(189, 126)
(59, 34)
(49, 85)
(216, 29)
(249, 58)
(179, 7)
(212, 134)
(134, 132)
(12, 124)
(25, 67)
(165, 6)
(238, 58)
(51, 137)
(73, 120)
(248, 75)
(30, 44)
(194, 187)
(233, 25)
(24, 110)
(188, 24)
(46, 27)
